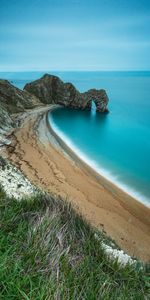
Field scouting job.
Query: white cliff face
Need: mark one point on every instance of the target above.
(115, 254)
(6, 126)
(14, 183)
(119, 255)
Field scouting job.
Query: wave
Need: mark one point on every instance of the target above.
(109, 175)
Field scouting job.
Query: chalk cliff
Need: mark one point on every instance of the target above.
(51, 89)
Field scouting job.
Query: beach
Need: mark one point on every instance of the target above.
(50, 164)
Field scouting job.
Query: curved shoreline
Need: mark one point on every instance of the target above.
(102, 172)
(41, 157)
(107, 182)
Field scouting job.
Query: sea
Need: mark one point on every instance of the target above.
(117, 144)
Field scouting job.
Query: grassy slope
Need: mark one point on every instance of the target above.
(48, 252)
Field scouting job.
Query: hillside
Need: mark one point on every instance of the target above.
(47, 251)
(12, 100)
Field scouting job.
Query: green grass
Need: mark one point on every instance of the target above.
(48, 252)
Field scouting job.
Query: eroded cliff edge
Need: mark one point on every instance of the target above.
(51, 89)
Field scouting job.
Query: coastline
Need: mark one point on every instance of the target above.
(102, 172)
(100, 175)
(102, 203)
(110, 186)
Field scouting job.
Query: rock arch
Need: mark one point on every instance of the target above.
(99, 97)
(51, 89)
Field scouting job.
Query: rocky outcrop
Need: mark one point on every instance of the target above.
(51, 89)
(12, 100)
(15, 100)
(6, 125)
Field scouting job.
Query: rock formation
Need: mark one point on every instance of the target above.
(51, 89)
(6, 125)
(12, 100)
(15, 100)
(48, 89)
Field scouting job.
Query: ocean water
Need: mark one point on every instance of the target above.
(117, 145)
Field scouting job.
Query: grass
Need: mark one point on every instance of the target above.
(49, 252)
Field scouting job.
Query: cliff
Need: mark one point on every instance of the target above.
(12, 100)
(6, 125)
(15, 100)
(51, 89)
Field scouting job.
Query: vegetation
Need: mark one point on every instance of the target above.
(48, 252)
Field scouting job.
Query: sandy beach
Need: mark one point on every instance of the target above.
(47, 161)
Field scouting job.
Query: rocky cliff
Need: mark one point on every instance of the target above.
(6, 125)
(12, 100)
(51, 89)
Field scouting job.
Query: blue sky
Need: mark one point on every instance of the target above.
(74, 35)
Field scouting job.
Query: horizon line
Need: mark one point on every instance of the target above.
(48, 70)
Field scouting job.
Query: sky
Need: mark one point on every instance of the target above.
(67, 35)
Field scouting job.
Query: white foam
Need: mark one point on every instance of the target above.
(100, 170)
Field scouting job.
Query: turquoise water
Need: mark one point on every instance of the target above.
(117, 144)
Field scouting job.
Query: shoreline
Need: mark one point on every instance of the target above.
(111, 187)
(104, 205)
(75, 153)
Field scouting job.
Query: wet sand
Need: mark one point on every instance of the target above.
(47, 161)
